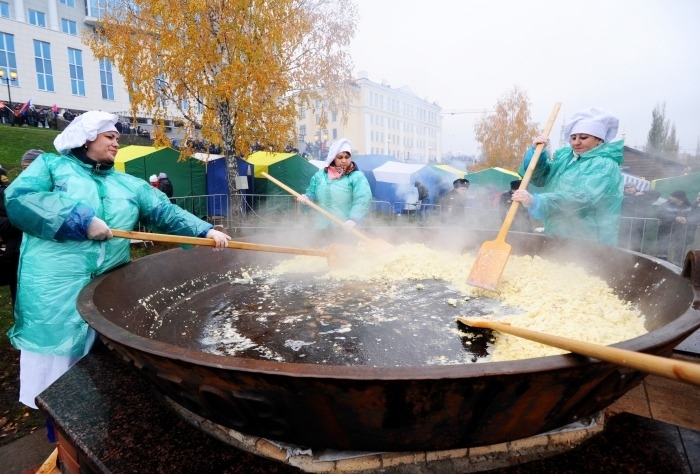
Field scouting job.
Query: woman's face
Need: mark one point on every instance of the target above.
(342, 160)
(582, 142)
(104, 148)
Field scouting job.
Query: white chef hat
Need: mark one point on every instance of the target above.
(336, 147)
(85, 128)
(593, 121)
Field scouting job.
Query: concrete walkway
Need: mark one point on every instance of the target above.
(25, 453)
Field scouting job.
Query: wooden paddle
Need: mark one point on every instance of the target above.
(376, 245)
(232, 244)
(656, 365)
(493, 255)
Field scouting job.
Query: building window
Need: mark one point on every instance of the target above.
(96, 8)
(106, 82)
(335, 134)
(75, 67)
(334, 117)
(4, 10)
(69, 26)
(42, 63)
(302, 112)
(8, 61)
(68, 3)
(37, 18)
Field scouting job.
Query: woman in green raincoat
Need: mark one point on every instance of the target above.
(66, 204)
(340, 188)
(582, 183)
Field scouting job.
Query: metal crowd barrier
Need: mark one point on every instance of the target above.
(246, 214)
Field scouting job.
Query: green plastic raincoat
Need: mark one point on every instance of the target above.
(347, 197)
(53, 202)
(582, 197)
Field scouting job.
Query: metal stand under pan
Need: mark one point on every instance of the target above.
(453, 461)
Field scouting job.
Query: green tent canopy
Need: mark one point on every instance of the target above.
(290, 168)
(189, 176)
(690, 183)
(498, 178)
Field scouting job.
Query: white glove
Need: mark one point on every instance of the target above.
(540, 139)
(523, 197)
(303, 199)
(219, 237)
(98, 230)
(349, 225)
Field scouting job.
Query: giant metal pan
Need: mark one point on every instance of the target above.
(355, 407)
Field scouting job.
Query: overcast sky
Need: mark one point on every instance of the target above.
(626, 56)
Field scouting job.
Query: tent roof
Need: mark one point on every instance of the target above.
(132, 152)
(266, 158)
(451, 170)
(207, 156)
(395, 172)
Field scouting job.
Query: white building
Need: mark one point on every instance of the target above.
(40, 42)
(382, 121)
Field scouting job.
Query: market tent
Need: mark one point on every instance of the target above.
(690, 183)
(290, 168)
(447, 175)
(367, 164)
(188, 176)
(640, 183)
(395, 183)
(498, 178)
(217, 181)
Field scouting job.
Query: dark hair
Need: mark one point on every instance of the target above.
(460, 183)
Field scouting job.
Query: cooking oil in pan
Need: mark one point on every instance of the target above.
(380, 324)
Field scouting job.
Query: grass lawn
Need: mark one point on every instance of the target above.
(14, 141)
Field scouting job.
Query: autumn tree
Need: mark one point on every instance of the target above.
(234, 72)
(506, 133)
(661, 139)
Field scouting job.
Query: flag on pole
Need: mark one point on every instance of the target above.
(25, 107)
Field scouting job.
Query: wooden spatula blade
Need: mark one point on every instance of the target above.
(489, 264)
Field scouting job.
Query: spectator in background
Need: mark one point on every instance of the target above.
(11, 235)
(521, 221)
(454, 203)
(29, 157)
(165, 185)
(582, 182)
(423, 200)
(637, 217)
(672, 226)
(153, 180)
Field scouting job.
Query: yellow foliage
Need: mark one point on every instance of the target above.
(233, 71)
(506, 133)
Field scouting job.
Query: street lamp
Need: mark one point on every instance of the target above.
(13, 77)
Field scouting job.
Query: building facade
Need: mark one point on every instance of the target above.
(382, 121)
(40, 43)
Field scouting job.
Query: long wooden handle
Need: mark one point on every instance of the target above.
(232, 244)
(528, 174)
(661, 366)
(316, 207)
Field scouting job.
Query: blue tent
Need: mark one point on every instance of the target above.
(395, 183)
(217, 182)
(368, 163)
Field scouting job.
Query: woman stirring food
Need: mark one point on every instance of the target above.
(66, 204)
(582, 183)
(340, 188)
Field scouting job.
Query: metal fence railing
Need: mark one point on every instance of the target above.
(246, 214)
